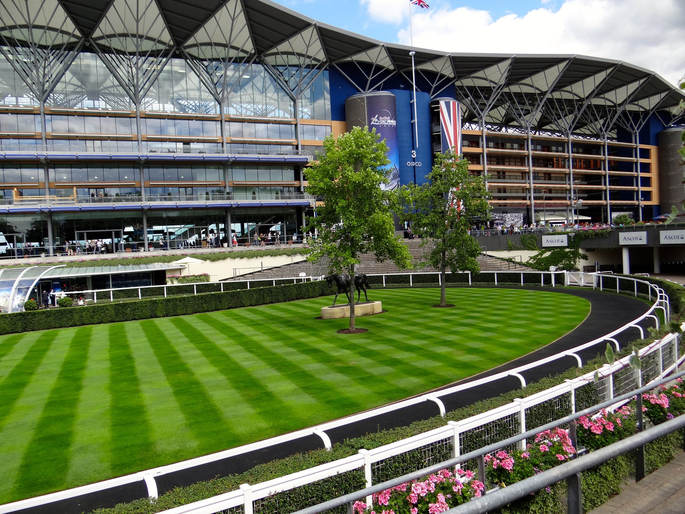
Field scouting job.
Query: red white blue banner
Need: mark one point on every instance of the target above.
(450, 125)
(420, 3)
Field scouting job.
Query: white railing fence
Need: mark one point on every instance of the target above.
(461, 437)
(455, 438)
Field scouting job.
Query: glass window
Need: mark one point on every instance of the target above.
(95, 174)
(153, 126)
(214, 174)
(155, 174)
(12, 176)
(110, 174)
(79, 174)
(92, 125)
(107, 125)
(125, 125)
(59, 124)
(31, 175)
(171, 174)
(88, 84)
(261, 131)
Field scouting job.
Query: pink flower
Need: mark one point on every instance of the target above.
(560, 457)
(525, 455)
(544, 448)
(501, 454)
(359, 507)
(413, 498)
(384, 497)
(610, 426)
(414, 510)
(596, 428)
(508, 464)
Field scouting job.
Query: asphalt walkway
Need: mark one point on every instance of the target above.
(661, 492)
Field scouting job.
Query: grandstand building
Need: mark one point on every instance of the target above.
(147, 123)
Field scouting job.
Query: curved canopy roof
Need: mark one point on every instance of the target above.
(562, 93)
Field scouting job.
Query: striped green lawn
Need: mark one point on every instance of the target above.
(84, 404)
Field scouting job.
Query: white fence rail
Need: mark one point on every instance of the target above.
(453, 433)
(659, 359)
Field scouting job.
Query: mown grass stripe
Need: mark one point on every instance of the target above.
(365, 376)
(9, 343)
(249, 387)
(330, 397)
(200, 412)
(46, 459)
(131, 442)
(19, 377)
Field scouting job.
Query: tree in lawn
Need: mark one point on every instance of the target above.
(442, 210)
(355, 216)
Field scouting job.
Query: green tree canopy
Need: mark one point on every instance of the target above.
(355, 216)
(442, 210)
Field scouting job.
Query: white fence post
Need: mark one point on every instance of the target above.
(469, 277)
(95, 297)
(164, 291)
(411, 280)
(618, 280)
(495, 278)
(552, 275)
(195, 289)
(140, 295)
(522, 420)
(522, 278)
(383, 281)
(222, 287)
(247, 498)
(368, 477)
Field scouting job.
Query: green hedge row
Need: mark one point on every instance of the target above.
(157, 307)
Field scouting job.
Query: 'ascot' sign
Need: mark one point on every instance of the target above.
(632, 238)
(672, 237)
(551, 241)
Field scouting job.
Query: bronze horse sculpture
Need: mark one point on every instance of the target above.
(343, 284)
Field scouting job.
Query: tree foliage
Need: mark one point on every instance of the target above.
(355, 215)
(442, 210)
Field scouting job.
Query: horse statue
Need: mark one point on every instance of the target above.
(343, 284)
(361, 283)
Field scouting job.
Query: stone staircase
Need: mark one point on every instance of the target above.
(370, 266)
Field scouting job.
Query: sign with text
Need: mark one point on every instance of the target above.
(632, 238)
(553, 241)
(672, 237)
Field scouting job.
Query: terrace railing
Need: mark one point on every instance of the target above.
(659, 359)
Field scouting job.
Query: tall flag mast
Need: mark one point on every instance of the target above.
(423, 4)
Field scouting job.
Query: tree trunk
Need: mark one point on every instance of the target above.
(443, 287)
(351, 298)
(443, 291)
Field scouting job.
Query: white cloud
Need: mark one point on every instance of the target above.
(388, 11)
(646, 34)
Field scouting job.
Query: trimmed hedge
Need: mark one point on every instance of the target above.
(157, 307)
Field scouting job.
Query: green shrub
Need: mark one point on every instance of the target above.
(157, 307)
(192, 279)
(65, 301)
(30, 305)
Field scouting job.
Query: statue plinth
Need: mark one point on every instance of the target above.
(343, 311)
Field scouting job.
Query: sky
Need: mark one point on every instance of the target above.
(645, 33)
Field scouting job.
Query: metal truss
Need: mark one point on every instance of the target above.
(222, 50)
(480, 91)
(132, 40)
(297, 61)
(435, 76)
(39, 43)
(374, 66)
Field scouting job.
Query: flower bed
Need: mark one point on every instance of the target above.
(437, 493)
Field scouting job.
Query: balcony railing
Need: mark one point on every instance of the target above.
(257, 196)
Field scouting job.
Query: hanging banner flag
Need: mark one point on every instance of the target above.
(420, 3)
(450, 125)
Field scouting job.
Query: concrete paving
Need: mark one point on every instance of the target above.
(661, 492)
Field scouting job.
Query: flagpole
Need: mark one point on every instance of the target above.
(413, 77)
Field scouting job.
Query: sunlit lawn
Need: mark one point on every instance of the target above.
(84, 404)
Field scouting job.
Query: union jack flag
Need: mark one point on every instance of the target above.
(450, 122)
(420, 3)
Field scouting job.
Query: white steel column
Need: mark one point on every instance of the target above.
(625, 251)
(656, 253)
(530, 175)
